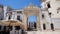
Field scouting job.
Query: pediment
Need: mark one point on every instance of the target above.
(30, 7)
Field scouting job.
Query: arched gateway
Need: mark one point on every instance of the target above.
(31, 10)
(21, 16)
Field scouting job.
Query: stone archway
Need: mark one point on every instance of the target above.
(31, 10)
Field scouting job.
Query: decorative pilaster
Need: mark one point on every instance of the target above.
(25, 22)
(38, 22)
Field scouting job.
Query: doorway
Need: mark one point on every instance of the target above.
(31, 23)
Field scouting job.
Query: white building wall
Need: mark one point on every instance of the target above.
(54, 6)
(56, 22)
(49, 20)
(55, 17)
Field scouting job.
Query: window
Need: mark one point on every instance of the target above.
(42, 15)
(48, 5)
(57, 12)
(50, 13)
(52, 27)
(18, 17)
(9, 17)
(0, 27)
(44, 26)
(35, 25)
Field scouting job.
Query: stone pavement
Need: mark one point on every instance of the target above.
(43, 32)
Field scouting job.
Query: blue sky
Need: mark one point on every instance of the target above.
(18, 4)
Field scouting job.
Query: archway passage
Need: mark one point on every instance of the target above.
(31, 23)
(32, 10)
